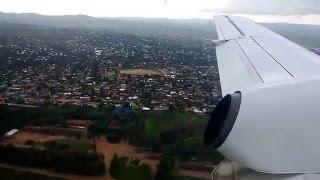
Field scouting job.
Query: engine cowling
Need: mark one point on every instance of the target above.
(273, 128)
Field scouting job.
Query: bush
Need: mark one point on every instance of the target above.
(135, 162)
(119, 169)
(114, 136)
(165, 167)
(60, 161)
(115, 166)
(62, 147)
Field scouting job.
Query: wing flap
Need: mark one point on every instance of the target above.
(295, 59)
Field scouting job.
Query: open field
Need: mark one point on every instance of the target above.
(141, 72)
(156, 122)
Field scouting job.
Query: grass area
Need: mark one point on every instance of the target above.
(121, 169)
(12, 174)
(188, 148)
(200, 153)
(132, 172)
(156, 122)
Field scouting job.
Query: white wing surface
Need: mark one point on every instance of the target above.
(268, 119)
(252, 54)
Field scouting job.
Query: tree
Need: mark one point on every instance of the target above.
(165, 167)
(115, 166)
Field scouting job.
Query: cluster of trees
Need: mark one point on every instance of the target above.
(59, 161)
(165, 168)
(187, 149)
(121, 168)
(114, 135)
(17, 117)
(137, 136)
(99, 126)
(6, 173)
(78, 163)
(135, 132)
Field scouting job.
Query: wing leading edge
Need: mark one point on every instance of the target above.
(251, 54)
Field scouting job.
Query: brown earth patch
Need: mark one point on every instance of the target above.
(22, 136)
(141, 72)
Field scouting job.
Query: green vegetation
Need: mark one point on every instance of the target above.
(114, 135)
(156, 130)
(85, 112)
(12, 174)
(17, 117)
(99, 126)
(165, 168)
(121, 169)
(71, 145)
(62, 156)
(175, 133)
(157, 122)
(193, 149)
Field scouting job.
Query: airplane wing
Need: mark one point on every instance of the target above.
(253, 55)
(268, 119)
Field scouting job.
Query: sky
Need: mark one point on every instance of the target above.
(292, 11)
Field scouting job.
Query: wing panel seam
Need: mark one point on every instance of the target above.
(249, 60)
(272, 56)
(220, 29)
(239, 30)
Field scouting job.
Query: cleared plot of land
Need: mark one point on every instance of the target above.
(22, 136)
(108, 149)
(141, 72)
(122, 149)
(42, 139)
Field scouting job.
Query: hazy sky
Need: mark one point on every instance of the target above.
(296, 11)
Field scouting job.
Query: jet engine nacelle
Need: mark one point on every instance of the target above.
(273, 128)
